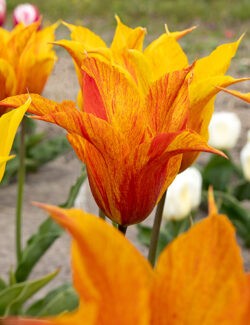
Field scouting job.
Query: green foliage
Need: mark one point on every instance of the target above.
(62, 299)
(12, 297)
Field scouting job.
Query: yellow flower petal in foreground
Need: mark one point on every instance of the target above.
(9, 123)
(198, 280)
(245, 97)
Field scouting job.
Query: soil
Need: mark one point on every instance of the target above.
(52, 182)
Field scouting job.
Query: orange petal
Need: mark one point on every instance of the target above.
(110, 271)
(200, 277)
(179, 34)
(7, 79)
(24, 321)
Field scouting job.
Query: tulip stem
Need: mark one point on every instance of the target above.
(156, 231)
(122, 229)
(20, 190)
(101, 214)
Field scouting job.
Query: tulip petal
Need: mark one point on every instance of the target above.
(179, 34)
(127, 38)
(200, 278)
(100, 271)
(9, 123)
(245, 97)
(168, 52)
(7, 79)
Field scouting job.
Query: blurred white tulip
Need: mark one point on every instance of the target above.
(2, 12)
(224, 130)
(183, 195)
(25, 13)
(245, 158)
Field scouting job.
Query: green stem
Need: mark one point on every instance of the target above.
(122, 229)
(101, 214)
(20, 190)
(156, 231)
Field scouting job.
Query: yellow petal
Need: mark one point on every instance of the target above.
(107, 272)
(200, 277)
(245, 97)
(126, 37)
(7, 79)
(9, 123)
(165, 55)
(179, 34)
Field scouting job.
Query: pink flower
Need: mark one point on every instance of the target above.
(2, 12)
(25, 13)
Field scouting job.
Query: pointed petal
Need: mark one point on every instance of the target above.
(200, 277)
(39, 105)
(9, 123)
(99, 272)
(168, 52)
(127, 38)
(238, 94)
(179, 34)
(85, 36)
(216, 63)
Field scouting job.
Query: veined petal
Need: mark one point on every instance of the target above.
(9, 123)
(85, 36)
(168, 102)
(179, 34)
(200, 278)
(127, 38)
(165, 55)
(39, 105)
(101, 275)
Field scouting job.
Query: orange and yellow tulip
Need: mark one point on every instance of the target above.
(198, 280)
(26, 59)
(131, 139)
(162, 56)
(9, 123)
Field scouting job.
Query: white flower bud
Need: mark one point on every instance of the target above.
(183, 195)
(224, 130)
(2, 12)
(245, 158)
(25, 13)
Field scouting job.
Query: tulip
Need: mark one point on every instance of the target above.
(245, 158)
(9, 123)
(199, 278)
(183, 195)
(26, 14)
(2, 12)
(224, 130)
(26, 59)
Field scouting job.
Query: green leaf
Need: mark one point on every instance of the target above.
(242, 191)
(12, 297)
(218, 173)
(3, 285)
(47, 233)
(60, 300)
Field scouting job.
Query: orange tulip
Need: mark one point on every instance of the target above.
(199, 278)
(162, 56)
(26, 59)
(130, 137)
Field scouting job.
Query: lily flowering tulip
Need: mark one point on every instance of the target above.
(26, 59)
(161, 56)
(199, 278)
(9, 123)
(131, 139)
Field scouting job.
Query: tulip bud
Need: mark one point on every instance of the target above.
(224, 130)
(183, 195)
(245, 158)
(25, 13)
(2, 12)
